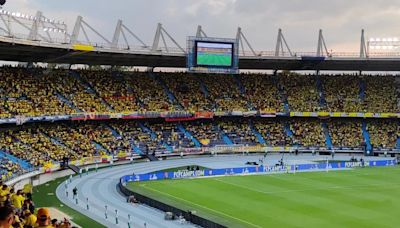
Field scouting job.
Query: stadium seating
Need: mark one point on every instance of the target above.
(308, 133)
(262, 92)
(346, 133)
(273, 132)
(188, 91)
(39, 92)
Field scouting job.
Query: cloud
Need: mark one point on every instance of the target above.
(341, 20)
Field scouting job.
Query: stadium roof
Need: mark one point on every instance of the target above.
(35, 51)
(39, 46)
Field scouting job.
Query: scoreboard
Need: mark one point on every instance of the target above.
(212, 55)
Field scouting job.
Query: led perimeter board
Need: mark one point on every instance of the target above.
(212, 55)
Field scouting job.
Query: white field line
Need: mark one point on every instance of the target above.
(305, 190)
(198, 205)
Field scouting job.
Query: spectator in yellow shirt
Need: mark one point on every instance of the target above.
(17, 200)
(4, 191)
(30, 219)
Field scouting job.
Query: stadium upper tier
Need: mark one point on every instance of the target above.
(23, 50)
(45, 92)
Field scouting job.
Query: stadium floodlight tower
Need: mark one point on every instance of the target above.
(388, 46)
(38, 27)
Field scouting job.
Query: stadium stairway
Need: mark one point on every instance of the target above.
(189, 135)
(366, 136)
(116, 134)
(287, 130)
(153, 135)
(99, 147)
(362, 90)
(66, 101)
(282, 95)
(151, 157)
(90, 88)
(258, 135)
(131, 90)
(398, 143)
(171, 97)
(74, 168)
(240, 85)
(24, 164)
(57, 142)
(204, 89)
(328, 139)
(322, 101)
(224, 136)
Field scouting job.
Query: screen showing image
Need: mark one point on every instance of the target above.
(214, 54)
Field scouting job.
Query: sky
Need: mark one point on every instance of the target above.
(300, 20)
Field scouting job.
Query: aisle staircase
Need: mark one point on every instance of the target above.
(90, 89)
(24, 164)
(189, 135)
(328, 139)
(258, 135)
(366, 136)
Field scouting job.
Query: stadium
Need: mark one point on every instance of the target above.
(120, 131)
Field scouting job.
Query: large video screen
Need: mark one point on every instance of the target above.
(215, 54)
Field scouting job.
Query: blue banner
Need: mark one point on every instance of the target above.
(253, 170)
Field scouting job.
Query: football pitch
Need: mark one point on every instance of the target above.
(363, 197)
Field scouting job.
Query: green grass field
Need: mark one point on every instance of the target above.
(44, 196)
(214, 59)
(364, 197)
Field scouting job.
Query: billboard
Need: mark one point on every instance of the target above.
(212, 55)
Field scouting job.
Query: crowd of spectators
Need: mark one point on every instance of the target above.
(301, 92)
(239, 132)
(225, 92)
(41, 143)
(17, 209)
(308, 133)
(346, 133)
(381, 94)
(262, 92)
(273, 132)
(113, 89)
(36, 92)
(342, 93)
(188, 90)
(384, 133)
(149, 92)
(9, 168)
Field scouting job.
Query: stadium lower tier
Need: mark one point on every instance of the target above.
(31, 145)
